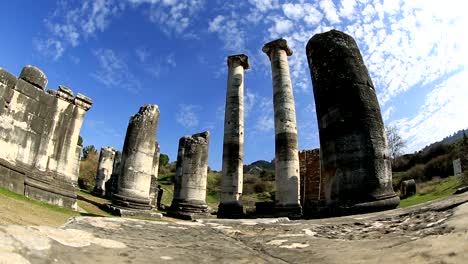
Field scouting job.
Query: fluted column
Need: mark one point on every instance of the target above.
(233, 146)
(286, 146)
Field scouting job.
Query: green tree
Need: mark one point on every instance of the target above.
(80, 141)
(87, 150)
(163, 160)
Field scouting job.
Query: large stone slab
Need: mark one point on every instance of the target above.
(434, 232)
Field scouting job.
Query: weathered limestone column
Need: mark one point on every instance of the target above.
(355, 161)
(112, 183)
(154, 175)
(286, 146)
(70, 140)
(104, 169)
(191, 176)
(233, 146)
(137, 160)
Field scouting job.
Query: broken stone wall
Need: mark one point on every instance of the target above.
(38, 137)
(312, 191)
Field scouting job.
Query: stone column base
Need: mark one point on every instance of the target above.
(130, 202)
(189, 210)
(292, 211)
(121, 211)
(231, 210)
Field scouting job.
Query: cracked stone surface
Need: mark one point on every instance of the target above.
(435, 232)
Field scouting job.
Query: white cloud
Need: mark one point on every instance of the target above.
(280, 28)
(443, 112)
(293, 11)
(265, 123)
(264, 5)
(187, 116)
(215, 24)
(330, 11)
(142, 54)
(114, 71)
(70, 24)
(51, 48)
(175, 17)
(229, 32)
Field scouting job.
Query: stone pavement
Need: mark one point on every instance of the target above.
(435, 232)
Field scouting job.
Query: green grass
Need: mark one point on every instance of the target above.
(10, 194)
(434, 189)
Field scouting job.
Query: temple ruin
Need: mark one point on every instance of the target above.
(189, 199)
(233, 146)
(39, 131)
(286, 145)
(355, 162)
(137, 163)
(104, 169)
(111, 184)
(154, 176)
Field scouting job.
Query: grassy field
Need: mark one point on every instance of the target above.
(431, 190)
(19, 210)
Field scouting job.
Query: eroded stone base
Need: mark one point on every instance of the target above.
(231, 210)
(131, 202)
(121, 211)
(189, 210)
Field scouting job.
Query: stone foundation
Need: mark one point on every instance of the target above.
(39, 130)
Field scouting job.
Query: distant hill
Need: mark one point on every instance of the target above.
(257, 166)
(448, 140)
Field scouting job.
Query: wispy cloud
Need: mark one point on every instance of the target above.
(229, 32)
(114, 71)
(187, 115)
(69, 25)
(175, 16)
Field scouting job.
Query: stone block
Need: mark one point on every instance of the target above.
(34, 76)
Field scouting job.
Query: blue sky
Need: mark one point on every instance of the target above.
(172, 53)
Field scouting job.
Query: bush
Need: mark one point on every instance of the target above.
(88, 170)
(440, 166)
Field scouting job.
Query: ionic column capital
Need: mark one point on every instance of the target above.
(241, 59)
(277, 44)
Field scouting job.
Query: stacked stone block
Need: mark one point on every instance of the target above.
(312, 189)
(38, 137)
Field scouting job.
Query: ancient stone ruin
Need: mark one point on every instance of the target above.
(112, 183)
(39, 130)
(312, 189)
(154, 176)
(233, 146)
(189, 199)
(286, 146)
(137, 163)
(104, 169)
(355, 161)
(407, 188)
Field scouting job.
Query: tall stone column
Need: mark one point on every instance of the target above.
(233, 146)
(154, 175)
(112, 183)
(191, 176)
(355, 163)
(104, 169)
(286, 146)
(137, 160)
